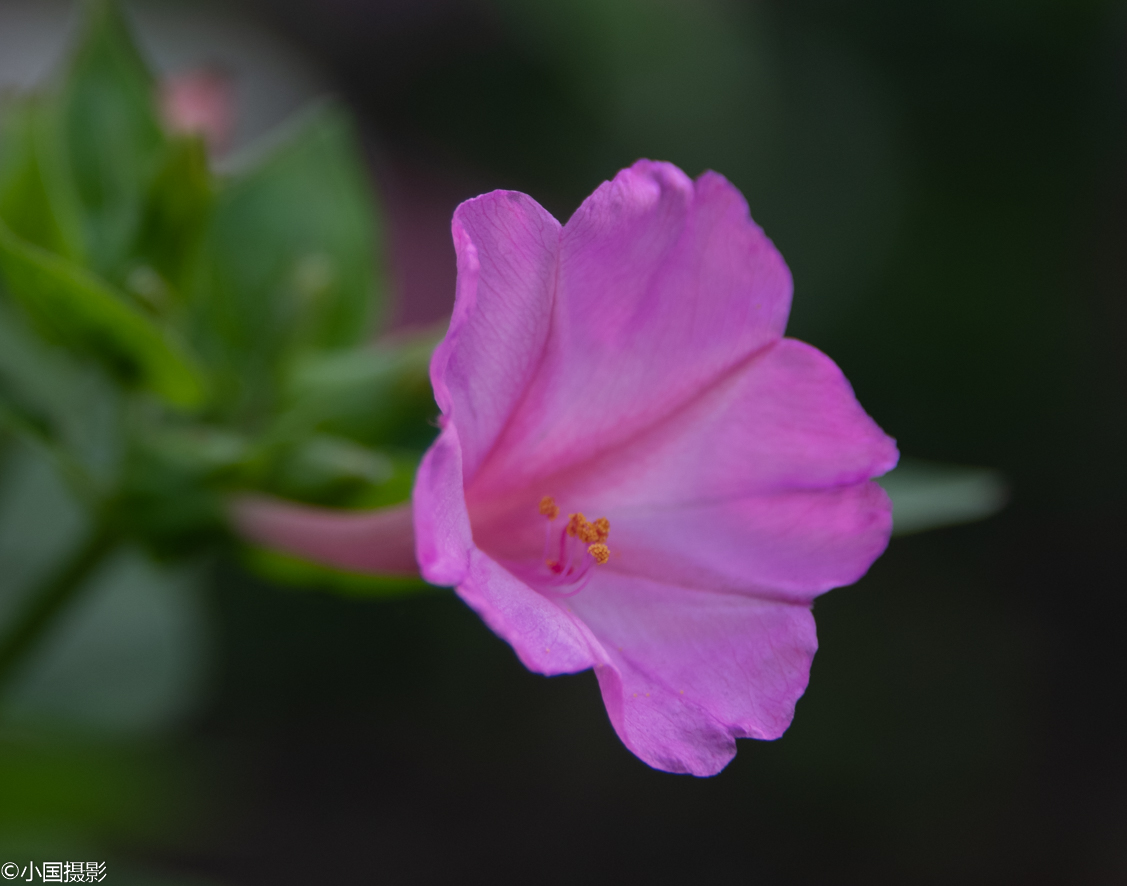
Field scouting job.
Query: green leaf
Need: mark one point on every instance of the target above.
(172, 489)
(75, 307)
(289, 263)
(324, 467)
(174, 219)
(928, 495)
(378, 395)
(56, 402)
(35, 199)
(112, 136)
(328, 470)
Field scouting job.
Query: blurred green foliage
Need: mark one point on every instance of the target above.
(214, 306)
(111, 138)
(169, 337)
(75, 307)
(287, 261)
(60, 788)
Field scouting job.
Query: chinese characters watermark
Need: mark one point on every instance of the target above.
(55, 871)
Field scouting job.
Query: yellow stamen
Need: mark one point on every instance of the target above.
(600, 552)
(588, 534)
(549, 508)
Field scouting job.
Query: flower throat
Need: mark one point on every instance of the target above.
(573, 550)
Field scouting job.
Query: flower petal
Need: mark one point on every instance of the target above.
(785, 419)
(687, 671)
(546, 638)
(508, 249)
(664, 285)
(787, 546)
(380, 541)
(761, 482)
(443, 537)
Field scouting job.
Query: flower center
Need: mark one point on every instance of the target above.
(572, 550)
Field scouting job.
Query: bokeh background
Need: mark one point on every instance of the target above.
(948, 182)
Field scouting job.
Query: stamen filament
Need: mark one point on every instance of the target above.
(548, 543)
(583, 582)
(581, 546)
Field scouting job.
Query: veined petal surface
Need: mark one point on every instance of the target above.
(687, 671)
(662, 286)
(759, 485)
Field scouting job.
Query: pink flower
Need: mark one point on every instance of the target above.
(630, 366)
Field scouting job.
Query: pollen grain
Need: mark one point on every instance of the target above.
(588, 534)
(549, 508)
(600, 552)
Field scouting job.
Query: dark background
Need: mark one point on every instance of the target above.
(965, 715)
(948, 182)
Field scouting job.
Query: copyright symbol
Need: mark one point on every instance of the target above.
(11, 870)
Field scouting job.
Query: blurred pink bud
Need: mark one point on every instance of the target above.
(200, 101)
(380, 541)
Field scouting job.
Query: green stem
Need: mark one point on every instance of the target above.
(51, 598)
